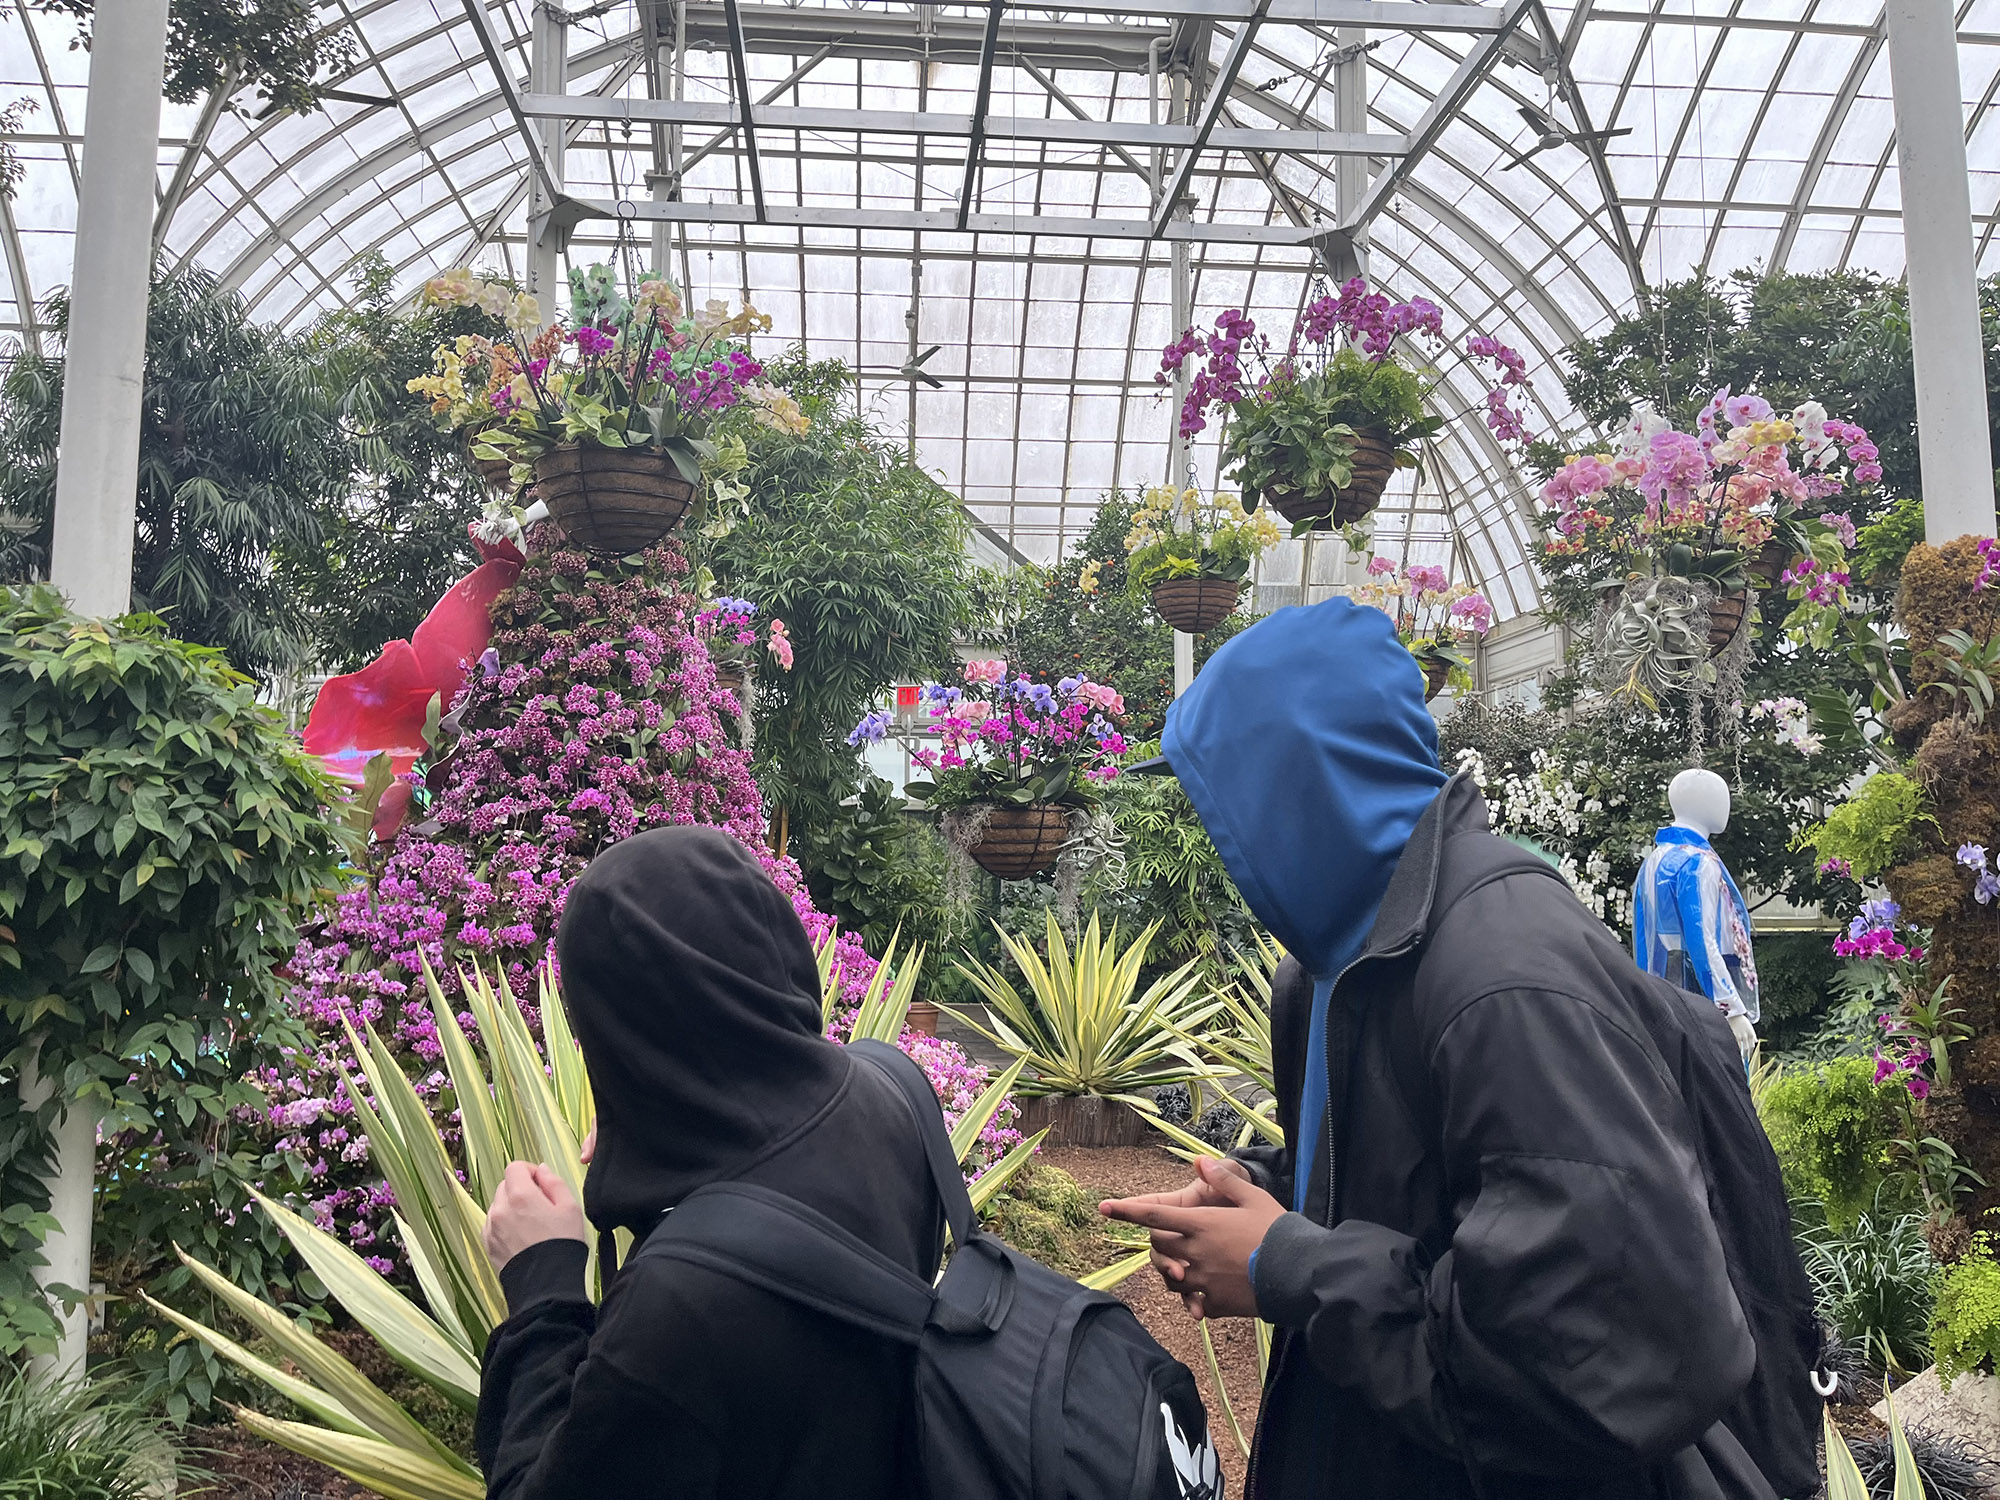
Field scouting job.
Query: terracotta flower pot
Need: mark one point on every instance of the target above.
(1374, 461)
(1435, 674)
(1725, 618)
(1021, 841)
(612, 500)
(922, 1018)
(1083, 1120)
(1196, 605)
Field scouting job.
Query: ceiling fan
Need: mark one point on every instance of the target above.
(1553, 133)
(913, 369)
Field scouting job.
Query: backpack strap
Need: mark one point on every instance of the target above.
(768, 1240)
(902, 1070)
(761, 1237)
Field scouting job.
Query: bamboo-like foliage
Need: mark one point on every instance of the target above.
(1080, 1028)
(516, 1102)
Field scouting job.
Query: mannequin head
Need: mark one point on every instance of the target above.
(1700, 800)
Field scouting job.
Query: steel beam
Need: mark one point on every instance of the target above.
(1443, 110)
(982, 95)
(1058, 226)
(510, 92)
(746, 123)
(1387, 15)
(1600, 168)
(954, 126)
(893, 36)
(1211, 113)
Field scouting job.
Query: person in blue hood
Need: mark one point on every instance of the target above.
(1525, 1236)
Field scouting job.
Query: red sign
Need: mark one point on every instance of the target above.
(906, 696)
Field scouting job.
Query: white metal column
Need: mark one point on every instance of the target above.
(1181, 292)
(105, 352)
(548, 73)
(1937, 249)
(97, 473)
(1350, 173)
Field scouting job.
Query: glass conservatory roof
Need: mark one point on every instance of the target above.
(1747, 133)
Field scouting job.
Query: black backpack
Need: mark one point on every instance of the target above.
(1028, 1386)
(1776, 1419)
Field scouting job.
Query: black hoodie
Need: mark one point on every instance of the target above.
(692, 988)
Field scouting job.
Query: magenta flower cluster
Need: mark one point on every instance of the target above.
(1989, 564)
(1355, 315)
(594, 716)
(1873, 934)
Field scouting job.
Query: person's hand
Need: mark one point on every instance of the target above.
(589, 1145)
(1203, 1236)
(533, 1205)
(1745, 1034)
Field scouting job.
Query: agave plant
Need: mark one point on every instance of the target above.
(516, 1103)
(1080, 1028)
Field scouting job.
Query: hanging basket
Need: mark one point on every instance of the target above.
(497, 473)
(1196, 605)
(1021, 841)
(615, 501)
(733, 677)
(1768, 566)
(1436, 673)
(1725, 618)
(1374, 461)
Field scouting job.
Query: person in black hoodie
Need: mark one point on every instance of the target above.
(1525, 1238)
(693, 991)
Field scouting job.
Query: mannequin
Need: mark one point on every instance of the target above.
(1689, 922)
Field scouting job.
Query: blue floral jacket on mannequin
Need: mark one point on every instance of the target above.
(1690, 924)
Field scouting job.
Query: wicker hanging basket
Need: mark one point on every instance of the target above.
(1021, 841)
(1725, 618)
(1374, 461)
(497, 473)
(1196, 605)
(733, 677)
(1768, 566)
(1436, 673)
(612, 500)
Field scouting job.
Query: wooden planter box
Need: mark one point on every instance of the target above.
(1083, 1120)
(1374, 462)
(615, 501)
(1196, 605)
(1021, 841)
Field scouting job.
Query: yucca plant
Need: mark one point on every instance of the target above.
(516, 1103)
(1843, 1475)
(1082, 1028)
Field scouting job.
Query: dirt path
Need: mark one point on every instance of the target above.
(1126, 1170)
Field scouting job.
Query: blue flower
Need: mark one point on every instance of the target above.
(1986, 887)
(1040, 695)
(1068, 686)
(872, 727)
(1972, 856)
(1881, 913)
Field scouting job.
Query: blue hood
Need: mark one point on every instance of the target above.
(1306, 748)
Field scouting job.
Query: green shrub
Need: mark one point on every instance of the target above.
(1873, 1281)
(1831, 1126)
(1965, 1326)
(1795, 984)
(60, 1441)
(161, 836)
(1872, 829)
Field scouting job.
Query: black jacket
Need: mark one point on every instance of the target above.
(1509, 1273)
(694, 994)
